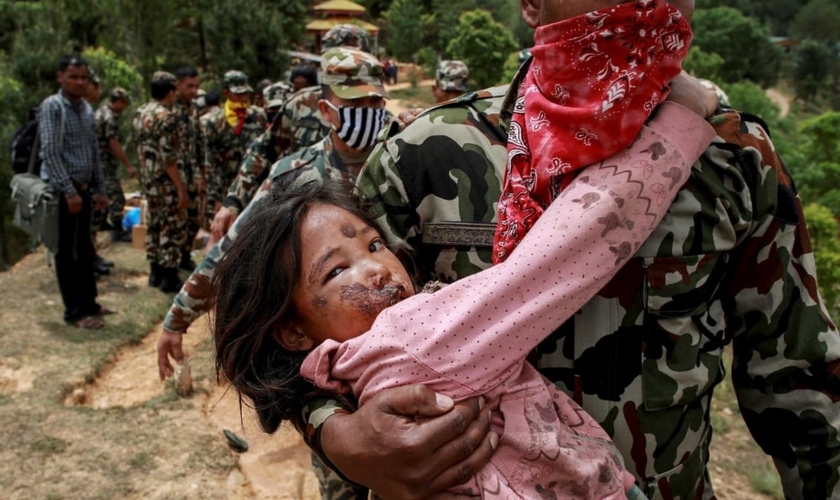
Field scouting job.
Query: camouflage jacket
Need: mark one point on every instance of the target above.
(261, 153)
(731, 265)
(223, 150)
(318, 163)
(155, 133)
(107, 128)
(301, 124)
(190, 152)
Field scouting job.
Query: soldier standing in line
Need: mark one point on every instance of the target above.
(111, 151)
(189, 155)
(228, 130)
(156, 134)
(450, 80)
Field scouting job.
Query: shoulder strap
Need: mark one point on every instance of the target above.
(36, 146)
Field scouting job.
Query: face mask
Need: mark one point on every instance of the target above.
(359, 127)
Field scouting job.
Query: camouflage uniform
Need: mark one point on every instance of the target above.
(107, 128)
(190, 155)
(451, 76)
(301, 124)
(224, 149)
(156, 135)
(730, 265)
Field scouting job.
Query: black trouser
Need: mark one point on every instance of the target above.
(74, 261)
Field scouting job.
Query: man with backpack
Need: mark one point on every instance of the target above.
(70, 154)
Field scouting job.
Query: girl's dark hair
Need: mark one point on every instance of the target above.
(253, 285)
(307, 71)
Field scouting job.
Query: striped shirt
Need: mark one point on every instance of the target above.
(75, 157)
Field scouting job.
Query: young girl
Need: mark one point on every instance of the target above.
(309, 293)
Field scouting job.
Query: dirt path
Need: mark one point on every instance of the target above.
(781, 100)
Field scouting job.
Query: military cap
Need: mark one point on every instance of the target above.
(452, 76)
(346, 35)
(120, 94)
(352, 74)
(275, 94)
(237, 82)
(165, 76)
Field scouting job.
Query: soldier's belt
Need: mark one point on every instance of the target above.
(472, 234)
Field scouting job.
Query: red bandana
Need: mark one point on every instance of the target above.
(593, 83)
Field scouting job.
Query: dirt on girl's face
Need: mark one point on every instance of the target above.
(347, 276)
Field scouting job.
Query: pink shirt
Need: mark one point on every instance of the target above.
(472, 337)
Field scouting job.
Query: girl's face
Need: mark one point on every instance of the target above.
(347, 276)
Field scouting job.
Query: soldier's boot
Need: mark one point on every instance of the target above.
(155, 276)
(187, 263)
(170, 283)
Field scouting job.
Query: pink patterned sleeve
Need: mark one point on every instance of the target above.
(472, 334)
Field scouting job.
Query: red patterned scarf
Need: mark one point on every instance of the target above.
(593, 82)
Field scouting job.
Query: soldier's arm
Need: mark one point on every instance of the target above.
(786, 366)
(119, 153)
(248, 176)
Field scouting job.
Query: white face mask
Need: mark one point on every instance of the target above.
(359, 126)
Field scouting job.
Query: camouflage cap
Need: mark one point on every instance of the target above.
(120, 94)
(165, 76)
(275, 94)
(352, 74)
(237, 82)
(346, 35)
(452, 76)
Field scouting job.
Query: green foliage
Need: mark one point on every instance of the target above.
(484, 45)
(743, 43)
(427, 59)
(817, 169)
(749, 97)
(113, 71)
(818, 20)
(406, 30)
(702, 64)
(824, 230)
(512, 64)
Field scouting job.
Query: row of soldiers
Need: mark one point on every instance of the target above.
(199, 165)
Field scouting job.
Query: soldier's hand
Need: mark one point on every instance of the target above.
(183, 199)
(132, 172)
(689, 92)
(410, 442)
(74, 204)
(102, 202)
(169, 344)
(222, 221)
(406, 118)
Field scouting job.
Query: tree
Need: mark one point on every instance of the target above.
(743, 43)
(406, 29)
(484, 45)
(818, 171)
(818, 20)
(813, 68)
(702, 64)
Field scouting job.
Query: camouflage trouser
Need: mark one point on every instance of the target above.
(193, 223)
(167, 226)
(113, 215)
(333, 487)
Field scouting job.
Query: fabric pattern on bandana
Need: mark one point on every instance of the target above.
(593, 82)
